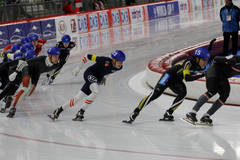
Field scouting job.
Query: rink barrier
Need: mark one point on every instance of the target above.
(91, 29)
(74, 24)
(157, 66)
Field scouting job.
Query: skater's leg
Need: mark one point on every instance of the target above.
(20, 95)
(87, 101)
(223, 91)
(181, 91)
(145, 101)
(212, 88)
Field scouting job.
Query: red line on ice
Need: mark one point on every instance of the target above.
(106, 149)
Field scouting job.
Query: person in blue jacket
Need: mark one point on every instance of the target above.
(230, 17)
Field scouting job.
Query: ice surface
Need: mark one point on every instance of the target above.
(31, 135)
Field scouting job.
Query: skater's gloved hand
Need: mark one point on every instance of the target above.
(21, 65)
(12, 76)
(103, 82)
(232, 61)
(202, 74)
(76, 71)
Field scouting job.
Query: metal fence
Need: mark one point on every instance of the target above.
(40, 8)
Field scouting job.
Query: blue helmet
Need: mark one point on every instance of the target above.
(15, 47)
(30, 54)
(18, 55)
(25, 40)
(118, 55)
(26, 47)
(33, 37)
(30, 46)
(201, 53)
(54, 51)
(66, 38)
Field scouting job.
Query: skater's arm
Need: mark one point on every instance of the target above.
(188, 76)
(193, 77)
(227, 60)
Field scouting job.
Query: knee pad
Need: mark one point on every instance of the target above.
(210, 94)
(94, 88)
(224, 96)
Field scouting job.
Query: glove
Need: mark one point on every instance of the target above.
(76, 71)
(232, 61)
(202, 75)
(103, 81)
(21, 65)
(12, 76)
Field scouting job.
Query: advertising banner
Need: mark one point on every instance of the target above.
(48, 29)
(104, 22)
(172, 8)
(16, 32)
(66, 25)
(183, 6)
(93, 21)
(82, 24)
(136, 14)
(33, 27)
(4, 40)
(157, 11)
(163, 10)
(124, 16)
(115, 16)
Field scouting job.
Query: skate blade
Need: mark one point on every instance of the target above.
(127, 122)
(167, 120)
(77, 119)
(52, 118)
(184, 119)
(2, 111)
(10, 116)
(204, 124)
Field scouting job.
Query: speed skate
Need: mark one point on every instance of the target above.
(186, 120)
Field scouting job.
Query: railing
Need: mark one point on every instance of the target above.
(41, 8)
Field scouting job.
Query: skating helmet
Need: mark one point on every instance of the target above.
(15, 47)
(118, 55)
(54, 51)
(25, 40)
(66, 39)
(30, 46)
(33, 37)
(30, 54)
(18, 55)
(26, 47)
(201, 53)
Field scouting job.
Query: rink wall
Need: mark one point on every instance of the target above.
(159, 65)
(77, 25)
(96, 29)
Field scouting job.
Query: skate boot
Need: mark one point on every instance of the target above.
(191, 118)
(167, 117)
(132, 117)
(79, 115)
(206, 120)
(56, 113)
(3, 107)
(50, 80)
(9, 100)
(11, 112)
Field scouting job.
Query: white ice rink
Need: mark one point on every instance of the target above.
(31, 135)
